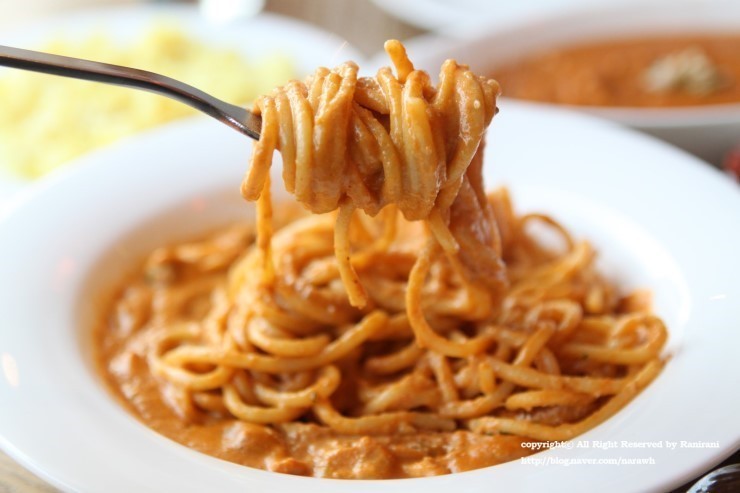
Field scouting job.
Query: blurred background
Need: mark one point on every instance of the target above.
(596, 56)
(670, 68)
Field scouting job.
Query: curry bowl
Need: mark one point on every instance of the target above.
(708, 131)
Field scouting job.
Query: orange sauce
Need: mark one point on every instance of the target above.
(300, 448)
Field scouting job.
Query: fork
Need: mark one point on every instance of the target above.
(236, 117)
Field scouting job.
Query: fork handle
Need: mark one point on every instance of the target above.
(77, 68)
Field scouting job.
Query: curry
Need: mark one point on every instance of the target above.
(641, 72)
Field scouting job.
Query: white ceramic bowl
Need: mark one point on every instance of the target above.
(67, 240)
(707, 131)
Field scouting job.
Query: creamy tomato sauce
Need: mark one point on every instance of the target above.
(645, 72)
(301, 448)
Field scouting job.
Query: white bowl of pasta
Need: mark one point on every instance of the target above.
(69, 243)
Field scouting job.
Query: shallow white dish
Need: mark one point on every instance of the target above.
(659, 218)
(256, 38)
(706, 131)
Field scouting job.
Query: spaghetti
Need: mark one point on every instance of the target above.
(410, 318)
